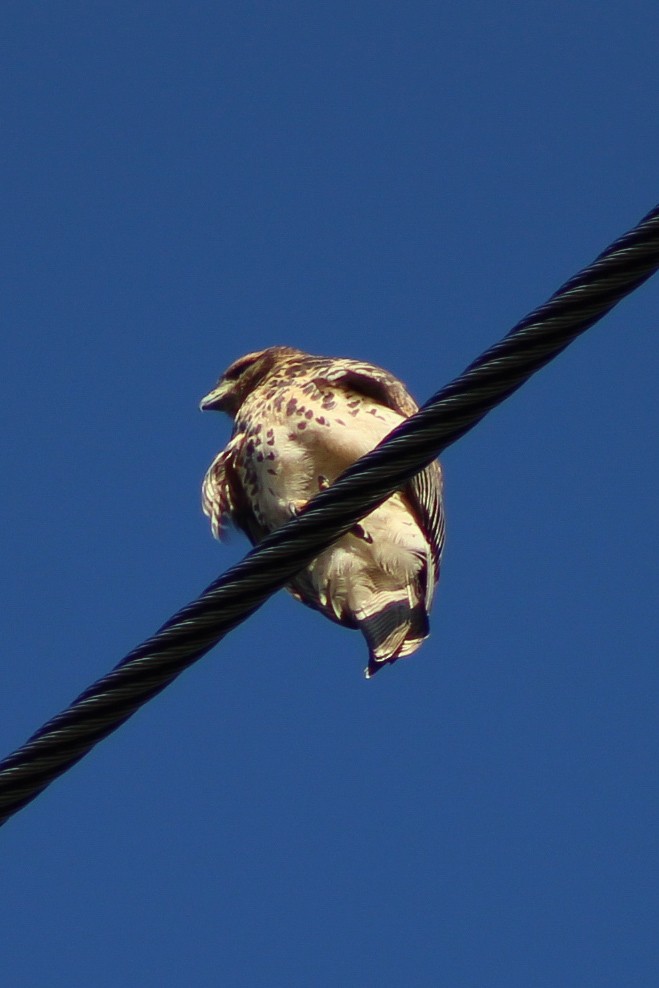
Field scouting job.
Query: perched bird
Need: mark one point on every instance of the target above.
(299, 421)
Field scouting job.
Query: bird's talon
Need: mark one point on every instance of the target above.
(360, 532)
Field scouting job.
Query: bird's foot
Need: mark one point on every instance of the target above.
(295, 507)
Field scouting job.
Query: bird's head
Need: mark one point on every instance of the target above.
(240, 379)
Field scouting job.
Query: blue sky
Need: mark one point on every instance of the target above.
(183, 183)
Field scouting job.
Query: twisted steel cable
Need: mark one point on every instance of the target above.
(230, 599)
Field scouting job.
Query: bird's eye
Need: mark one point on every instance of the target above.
(238, 368)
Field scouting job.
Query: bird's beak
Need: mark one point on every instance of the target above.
(215, 400)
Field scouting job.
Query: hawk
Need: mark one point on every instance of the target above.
(299, 422)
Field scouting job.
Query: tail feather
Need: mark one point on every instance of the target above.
(418, 631)
(395, 630)
(385, 630)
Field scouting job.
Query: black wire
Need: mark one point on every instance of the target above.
(447, 416)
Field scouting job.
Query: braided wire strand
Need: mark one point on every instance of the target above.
(234, 596)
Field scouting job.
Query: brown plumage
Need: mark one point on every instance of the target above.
(299, 421)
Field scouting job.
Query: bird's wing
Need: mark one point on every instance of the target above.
(223, 498)
(423, 492)
(371, 381)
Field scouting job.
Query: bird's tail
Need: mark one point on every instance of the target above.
(392, 629)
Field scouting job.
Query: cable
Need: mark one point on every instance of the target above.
(447, 416)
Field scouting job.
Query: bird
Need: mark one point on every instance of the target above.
(299, 421)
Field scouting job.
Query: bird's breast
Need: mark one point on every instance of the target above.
(301, 440)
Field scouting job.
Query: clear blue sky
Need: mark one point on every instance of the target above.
(185, 182)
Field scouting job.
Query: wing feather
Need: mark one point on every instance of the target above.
(223, 498)
(371, 381)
